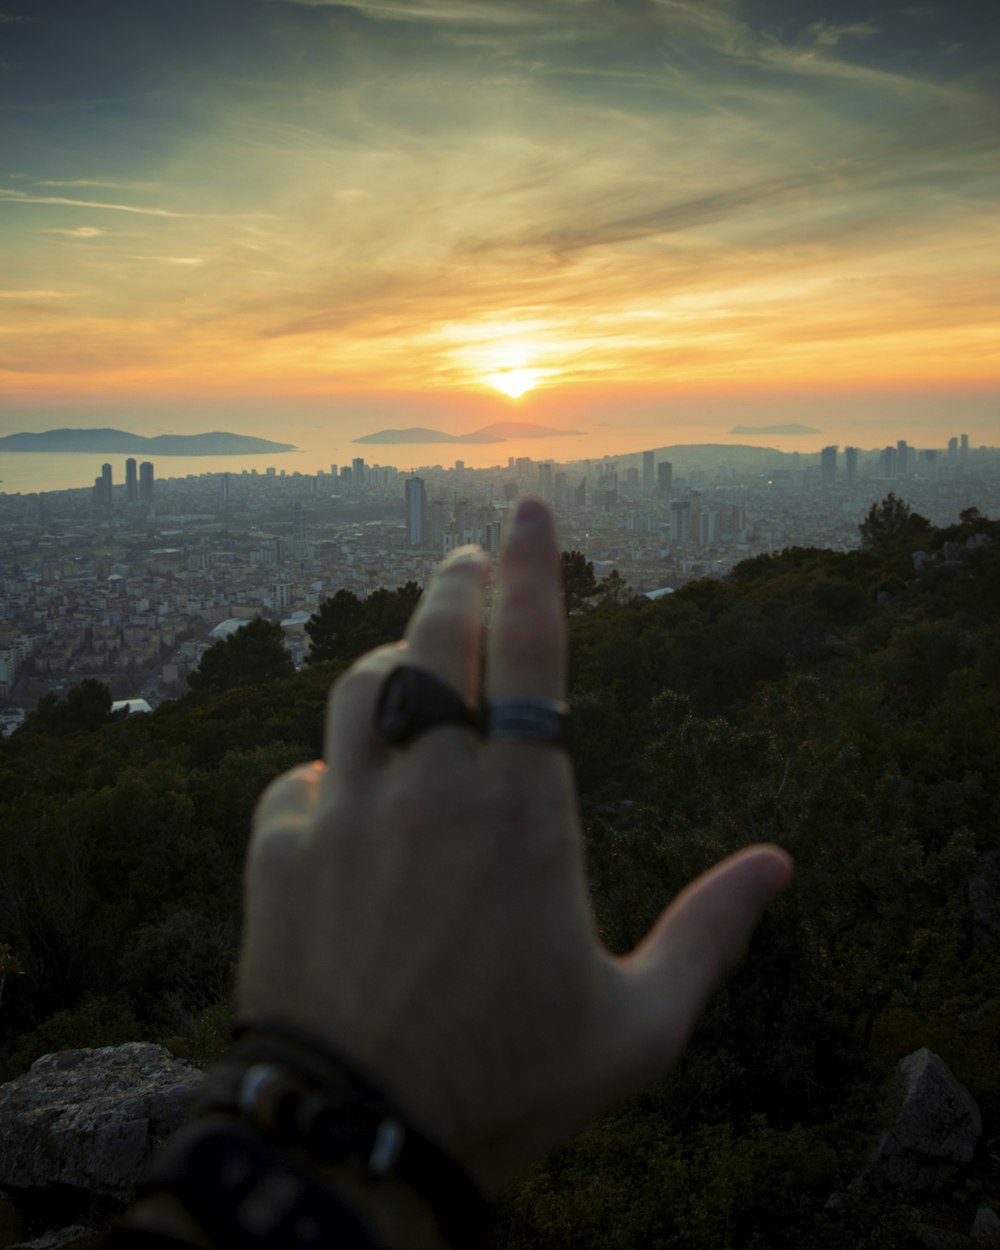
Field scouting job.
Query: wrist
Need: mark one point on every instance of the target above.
(293, 1148)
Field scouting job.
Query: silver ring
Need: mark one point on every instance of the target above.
(527, 720)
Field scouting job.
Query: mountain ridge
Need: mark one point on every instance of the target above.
(110, 441)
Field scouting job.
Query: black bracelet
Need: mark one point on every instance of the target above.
(246, 1195)
(297, 1091)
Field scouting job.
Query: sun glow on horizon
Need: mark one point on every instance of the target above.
(515, 382)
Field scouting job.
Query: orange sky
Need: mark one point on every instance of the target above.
(332, 198)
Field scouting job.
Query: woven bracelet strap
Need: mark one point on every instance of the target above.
(244, 1194)
(298, 1091)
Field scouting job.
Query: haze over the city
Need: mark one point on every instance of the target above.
(647, 221)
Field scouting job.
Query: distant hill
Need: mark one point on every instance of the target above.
(774, 429)
(103, 442)
(497, 433)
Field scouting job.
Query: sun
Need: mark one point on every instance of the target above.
(515, 382)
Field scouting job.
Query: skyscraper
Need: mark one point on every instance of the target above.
(415, 507)
(146, 481)
(828, 464)
(131, 481)
(851, 464)
(648, 472)
(680, 521)
(102, 489)
(664, 478)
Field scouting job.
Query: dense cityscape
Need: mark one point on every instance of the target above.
(131, 580)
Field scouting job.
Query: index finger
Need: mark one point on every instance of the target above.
(527, 641)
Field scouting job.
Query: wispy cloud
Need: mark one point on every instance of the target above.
(107, 183)
(35, 294)
(77, 232)
(22, 197)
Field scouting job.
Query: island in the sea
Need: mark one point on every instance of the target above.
(105, 442)
(497, 433)
(774, 429)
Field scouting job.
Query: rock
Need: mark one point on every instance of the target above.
(11, 1222)
(941, 1238)
(91, 1118)
(935, 1130)
(986, 1229)
(75, 1237)
(921, 558)
(975, 541)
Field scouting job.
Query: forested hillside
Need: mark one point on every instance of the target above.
(844, 705)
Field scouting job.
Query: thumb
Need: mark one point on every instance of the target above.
(699, 937)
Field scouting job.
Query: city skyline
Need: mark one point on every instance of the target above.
(349, 213)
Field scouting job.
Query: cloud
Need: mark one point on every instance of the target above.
(107, 183)
(79, 232)
(22, 197)
(475, 12)
(35, 294)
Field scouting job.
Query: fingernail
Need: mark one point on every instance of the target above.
(531, 512)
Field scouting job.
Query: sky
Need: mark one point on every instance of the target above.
(358, 213)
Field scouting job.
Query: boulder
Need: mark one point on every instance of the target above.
(75, 1237)
(932, 1238)
(986, 1229)
(11, 1222)
(934, 1132)
(91, 1118)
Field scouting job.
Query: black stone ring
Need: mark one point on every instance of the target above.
(412, 700)
(527, 720)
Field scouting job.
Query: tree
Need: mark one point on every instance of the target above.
(346, 626)
(615, 592)
(579, 583)
(255, 653)
(86, 706)
(10, 965)
(891, 522)
(331, 629)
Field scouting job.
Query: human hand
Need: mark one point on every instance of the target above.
(424, 907)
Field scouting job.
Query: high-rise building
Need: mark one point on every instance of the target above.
(828, 464)
(902, 458)
(146, 481)
(299, 529)
(648, 472)
(664, 479)
(851, 464)
(963, 445)
(680, 521)
(416, 504)
(887, 462)
(131, 481)
(224, 491)
(545, 479)
(952, 446)
(358, 476)
(102, 489)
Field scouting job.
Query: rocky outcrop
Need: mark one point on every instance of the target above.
(91, 1118)
(986, 1229)
(74, 1237)
(933, 1133)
